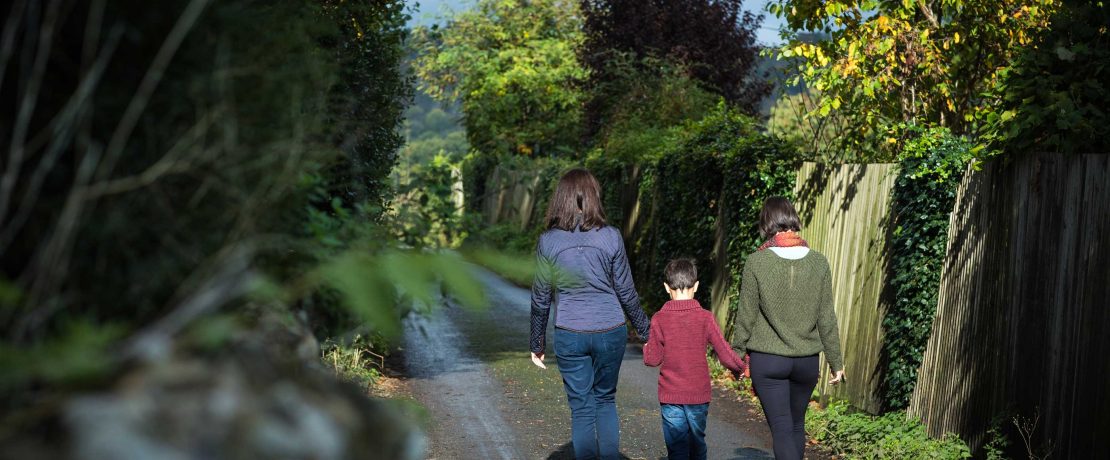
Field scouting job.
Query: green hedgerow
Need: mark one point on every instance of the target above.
(933, 163)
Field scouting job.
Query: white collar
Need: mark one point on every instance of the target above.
(792, 253)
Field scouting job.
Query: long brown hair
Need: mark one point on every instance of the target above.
(576, 202)
(778, 215)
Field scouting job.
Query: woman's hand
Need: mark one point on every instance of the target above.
(837, 377)
(537, 359)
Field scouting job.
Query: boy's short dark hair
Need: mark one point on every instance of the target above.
(681, 274)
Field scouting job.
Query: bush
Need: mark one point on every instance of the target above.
(354, 361)
(476, 168)
(713, 174)
(260, 152)
(426, 212)
(933, 163)
(1052, 98)
(686, 200)
(756, 167)
(859, 435)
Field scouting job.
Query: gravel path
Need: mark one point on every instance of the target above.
(486, 400)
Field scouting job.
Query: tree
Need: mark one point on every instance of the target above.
(153, 146)
(1053, 98)
(916, 62)
(430, 130)
(714, 40)
(652, 97)
(366, 41)
(511, 65)
(816, 137)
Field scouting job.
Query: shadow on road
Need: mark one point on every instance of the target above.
(566, 452)
(748, 453)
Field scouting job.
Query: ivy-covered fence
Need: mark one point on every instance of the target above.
(700, 198)
(933, 162)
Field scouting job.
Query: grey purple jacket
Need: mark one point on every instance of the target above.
(588, 273)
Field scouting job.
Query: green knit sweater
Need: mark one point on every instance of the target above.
(786, 308)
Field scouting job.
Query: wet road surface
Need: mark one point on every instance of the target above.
(485, 399)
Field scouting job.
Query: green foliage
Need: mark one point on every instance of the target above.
(476, 168)
(366, 41)
(1053, 97)
(78, 353)
(517, 267)
(997, 441)
(523, 172)
(647, 99)
(512, 67)
(353, 360)
(793, 119)
(613, 174)
(761, 166)
(720, 167)
(933, 163)
(712, 42)
(431, 131)
(508, 237)
(427, 210)
(886, 63)
(231, 152)
(721, 375)
(686, 198)
(373, 284)
(862, 436)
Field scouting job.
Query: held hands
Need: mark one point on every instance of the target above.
(537, 359)
(837, 377)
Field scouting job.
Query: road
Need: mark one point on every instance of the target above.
(486, 400)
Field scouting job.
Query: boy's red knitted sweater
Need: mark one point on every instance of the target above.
(679, 334)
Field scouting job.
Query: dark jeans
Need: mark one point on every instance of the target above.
(590, 362)
(684, 430)
(784, 386)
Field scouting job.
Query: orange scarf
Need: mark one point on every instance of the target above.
(787, 239)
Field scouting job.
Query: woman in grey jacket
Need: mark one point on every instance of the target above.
(582, 260)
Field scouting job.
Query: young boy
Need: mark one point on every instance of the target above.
(679, 333)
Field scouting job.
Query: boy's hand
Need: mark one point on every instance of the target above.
(837, 378)
(537, 359)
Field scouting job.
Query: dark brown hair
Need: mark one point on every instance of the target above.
(681, 274)
(576, 202)
(778, 215)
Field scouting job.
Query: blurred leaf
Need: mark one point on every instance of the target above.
(365, 290)
(10, 294)
(460, 282)
(212, 332)
(78, 353)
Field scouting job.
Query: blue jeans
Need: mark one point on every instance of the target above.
(684, 430)
(589, 363)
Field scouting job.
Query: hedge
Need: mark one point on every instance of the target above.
(933, 163)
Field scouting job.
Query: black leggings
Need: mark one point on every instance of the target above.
(784, 386)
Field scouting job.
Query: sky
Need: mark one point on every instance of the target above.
(429, 9)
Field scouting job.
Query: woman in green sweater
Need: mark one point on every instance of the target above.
(785, 320)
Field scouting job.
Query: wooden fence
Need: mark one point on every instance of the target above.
(845, 212)
(511, 196)
(1022, 319)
